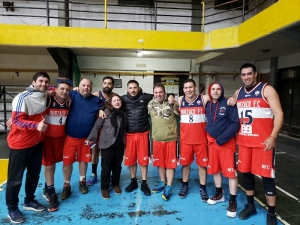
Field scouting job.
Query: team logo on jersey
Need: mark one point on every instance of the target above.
(54, 103)
(198, 102)
(183, 103)
(257, 93)
(222, 111)
(141, 101)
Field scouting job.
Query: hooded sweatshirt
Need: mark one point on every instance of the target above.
(222, 120)
(28, 109)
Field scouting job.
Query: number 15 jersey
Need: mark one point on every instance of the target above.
(255, 116)
(192, 121)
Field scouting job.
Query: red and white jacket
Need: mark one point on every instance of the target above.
(28, 109)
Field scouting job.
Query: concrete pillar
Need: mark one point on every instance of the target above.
(273, 71)
(63, 14)
(63, 59)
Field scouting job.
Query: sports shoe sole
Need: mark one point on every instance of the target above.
(33, 209)
(45, 196)
(231, 214)
(213, 202)
(52, 209)
(15, 221)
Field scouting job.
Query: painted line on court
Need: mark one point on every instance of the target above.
(284, 191)
(265, 207)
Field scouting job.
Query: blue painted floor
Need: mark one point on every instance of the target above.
(134, 208)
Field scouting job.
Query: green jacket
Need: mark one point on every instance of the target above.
(163, 119)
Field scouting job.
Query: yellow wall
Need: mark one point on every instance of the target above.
(3, 169)
(280, 15)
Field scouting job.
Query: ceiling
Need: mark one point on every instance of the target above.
(278, 44)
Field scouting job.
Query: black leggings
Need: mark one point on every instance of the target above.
(111, 161)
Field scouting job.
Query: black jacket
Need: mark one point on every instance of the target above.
(136, 111)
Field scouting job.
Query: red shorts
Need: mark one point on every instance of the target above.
(137, 148)
(187, 152)
(75, 150)
(52, 150)
(164, 154)
(222, 159)
(257, 161)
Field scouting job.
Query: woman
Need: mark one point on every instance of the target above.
(111, 142)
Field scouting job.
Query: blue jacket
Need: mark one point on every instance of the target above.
(222, 120)
(82, 115)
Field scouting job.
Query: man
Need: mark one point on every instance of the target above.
(137, 137)
(81, 119)
(56, 115)
(261, 119)
(222, 126)
(25, 144)
(164, 135)
(193, 136)
(104, 95)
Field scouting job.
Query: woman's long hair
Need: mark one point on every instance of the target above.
(108, 104)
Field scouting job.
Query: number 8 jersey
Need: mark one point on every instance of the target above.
(255, 116)
(192, 121)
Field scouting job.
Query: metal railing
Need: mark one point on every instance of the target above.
(153, 15)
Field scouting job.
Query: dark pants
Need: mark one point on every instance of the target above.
(111, 160)
(19, 160)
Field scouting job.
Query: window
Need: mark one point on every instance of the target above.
(149, 3)
(231, 4)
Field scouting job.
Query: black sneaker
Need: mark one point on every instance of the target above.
(132, 186)
(145, 189)
(271, 219)
(183, 191)
(66, 192)
(53, 203)
(45, 194)
(248, 211)
(15, 216)
(231, 209)
(34, 205)
(82, 187)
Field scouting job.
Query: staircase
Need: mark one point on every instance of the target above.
(7, 94)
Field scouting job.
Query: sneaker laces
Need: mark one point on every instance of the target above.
(17, 212)
(168, 190)
(232, 206)
(217, 196)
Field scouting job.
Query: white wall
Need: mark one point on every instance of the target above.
(96, 12)
(138, 64)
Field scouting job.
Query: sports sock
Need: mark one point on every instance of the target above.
(232, 198)
(271, 209)
(219, 190)
(250, 199)
(94, 168)
(51, 189)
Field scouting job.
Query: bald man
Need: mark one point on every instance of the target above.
(81, 119)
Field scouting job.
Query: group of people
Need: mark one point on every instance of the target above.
(209, 125)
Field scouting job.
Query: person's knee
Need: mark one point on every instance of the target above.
(248, 181)
(269, 186)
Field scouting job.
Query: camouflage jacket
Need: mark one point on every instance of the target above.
(163, 120)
